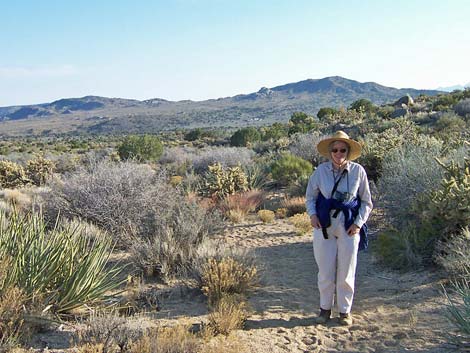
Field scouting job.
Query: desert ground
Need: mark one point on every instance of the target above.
(393, 312)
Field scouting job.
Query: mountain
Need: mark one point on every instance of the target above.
(101, 115)
(453, 88)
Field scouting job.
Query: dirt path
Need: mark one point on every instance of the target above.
(393, 312)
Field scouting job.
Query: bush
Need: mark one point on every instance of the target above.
(230, 313)
(294, 205)
(454, 255)
(225, 156)
(60, 266)
(243, 202)
(175, 339)
(245, 137)
(301, 222)
(226, 276)
(463, 108)
(12, 175)
(300, 122)
(362, 105)
(141, 148)
(102, 193)
(266, 216)
(305, 146)
(459, 314)
(290, 169)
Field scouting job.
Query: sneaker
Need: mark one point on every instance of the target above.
(324, 316)
(345, 319)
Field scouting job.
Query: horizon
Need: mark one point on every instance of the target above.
(208, 49)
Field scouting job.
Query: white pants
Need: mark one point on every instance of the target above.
(336, 258)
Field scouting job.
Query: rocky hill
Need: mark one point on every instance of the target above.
(100, 115)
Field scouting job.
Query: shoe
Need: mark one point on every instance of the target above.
(324, 317)
(345, 319)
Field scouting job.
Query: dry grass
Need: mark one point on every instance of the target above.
(266, 216)
(281, 212)
(244, 202)
(301, 223)
(175, 339)
(225, 344)
(294, 205)
(236, 216)
(230, 313)
(226, 276)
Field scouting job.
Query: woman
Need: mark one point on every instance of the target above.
(338, 202)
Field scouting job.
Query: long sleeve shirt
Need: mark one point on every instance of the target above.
(353, 182)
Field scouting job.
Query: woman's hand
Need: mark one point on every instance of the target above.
(353, 230)
(315, 222)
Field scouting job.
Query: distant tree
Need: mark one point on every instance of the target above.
(194, 135)
(301, 122)
(244, 137)
(275, 131)
(326, 112)
(362, 105)
(141, 148)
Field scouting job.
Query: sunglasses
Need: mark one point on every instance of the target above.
(342, 150)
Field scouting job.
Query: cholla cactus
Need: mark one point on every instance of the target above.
(220, 182)
(12, 175)
(39, 169)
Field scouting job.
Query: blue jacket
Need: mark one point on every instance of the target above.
(350, 210)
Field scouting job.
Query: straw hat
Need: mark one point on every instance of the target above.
(354, 147)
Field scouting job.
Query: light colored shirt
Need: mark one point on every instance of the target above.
(353, 182)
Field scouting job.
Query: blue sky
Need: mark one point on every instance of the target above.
(188, 49)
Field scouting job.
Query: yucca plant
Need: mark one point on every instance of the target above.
(60, 266)
(459, 315)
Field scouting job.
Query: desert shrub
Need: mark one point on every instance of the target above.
(378, 145)
(103, 332)
(228, 314)
(176, 180)
(294, 205)
(301, 222)
(440, 215)
(220, 182)
(16, 198)
(176, 339)
(274, 132)
(68, 270)
(39, 169)
(256, 176)
(225, 156)
(266, 216)
(325, 113)
(443, 102)
(454, 255)
(301, 122)
(463, 108)
(451, 129)
(407, 172)
(235, 216)
(289, 169)
(169, 245)
(362, 105)
(458, 312)
(245, 137)
(226, 276)
(104, 192)
(305, 146)
(141, 148)
(243, 202)
(281, 212)
(12, 175)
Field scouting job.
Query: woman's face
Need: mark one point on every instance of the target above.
(339, 152)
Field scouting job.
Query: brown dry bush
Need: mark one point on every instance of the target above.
(227, 276)
(294, 205)
(175, 339)
(266, 216)
(301, 222)
(243, 202)
(230, 313)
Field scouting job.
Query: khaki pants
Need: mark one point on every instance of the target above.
(336, 258)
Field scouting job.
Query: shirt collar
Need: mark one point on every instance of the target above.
(347, 167)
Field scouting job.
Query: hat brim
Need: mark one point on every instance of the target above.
(355, 147)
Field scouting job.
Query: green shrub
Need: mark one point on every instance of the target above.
(454, 255)
(458, 312)
(300, 122)
(64, 268)
(326, 113)
(141, 148)
(12, 175)
(362, 105)
(245, 137)
(290, 169)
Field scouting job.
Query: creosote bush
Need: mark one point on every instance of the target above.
(301, 222)
(289, 169)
